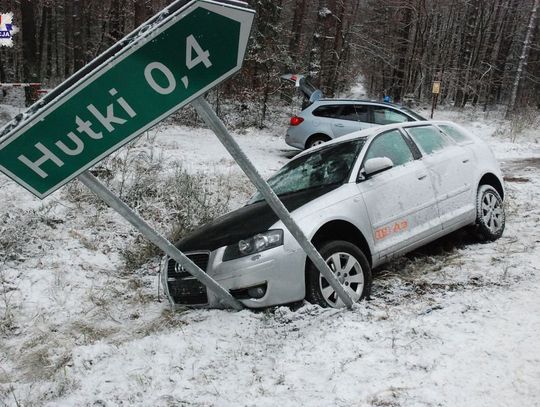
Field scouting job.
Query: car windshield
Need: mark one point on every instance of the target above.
(413, 114)
(328, 166)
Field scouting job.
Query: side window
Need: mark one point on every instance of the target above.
(384, 115)
(348, 112)
(392, 145)
(455, 133)
(331, 111)
(362, 113)
(428, 138)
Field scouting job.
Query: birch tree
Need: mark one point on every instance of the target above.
(523, 59)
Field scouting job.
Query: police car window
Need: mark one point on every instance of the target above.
(331, 111)
(384, 115)
(348, 112)
(362, 113)
(428, 138)
(392, 145)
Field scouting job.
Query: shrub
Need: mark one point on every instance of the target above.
(165, 195)
(179, 202)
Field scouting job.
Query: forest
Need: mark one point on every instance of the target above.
(484, 52)
(85, 311)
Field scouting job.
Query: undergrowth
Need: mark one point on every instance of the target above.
(164, 194)
(519, 123)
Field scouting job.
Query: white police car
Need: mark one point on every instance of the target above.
(327, 119)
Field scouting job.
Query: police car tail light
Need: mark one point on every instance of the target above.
(296, 120)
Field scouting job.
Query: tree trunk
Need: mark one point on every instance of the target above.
(68, 38)
(523, 59)
(43, 56)
(78, 40)
(30, 69)
(297, 25)
(143, 11)
(402, 48)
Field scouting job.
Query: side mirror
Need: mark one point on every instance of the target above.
(375, 165)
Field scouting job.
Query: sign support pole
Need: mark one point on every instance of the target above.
(433, 104)
(215, 123)
(436, 89)
(127, 213)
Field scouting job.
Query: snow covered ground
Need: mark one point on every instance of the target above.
(455, 323)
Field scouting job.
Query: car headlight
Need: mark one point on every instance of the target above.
(258, 243)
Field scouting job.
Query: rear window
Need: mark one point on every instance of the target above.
(332, 111)
(357, 113)
(429, 138)
(348, 112)
(362, 112)
(455, 133)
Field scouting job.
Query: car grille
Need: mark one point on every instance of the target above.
(183, 287)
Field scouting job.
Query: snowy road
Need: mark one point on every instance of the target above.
(455, 323)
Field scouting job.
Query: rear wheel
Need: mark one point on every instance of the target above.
(351, 268)
(316, 140)
(490, 216)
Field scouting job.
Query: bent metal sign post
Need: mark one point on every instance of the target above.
(165, 66)
(177, 56)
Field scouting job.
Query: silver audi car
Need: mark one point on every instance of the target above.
(362, 199)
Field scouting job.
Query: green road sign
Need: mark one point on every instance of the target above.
(166, 65)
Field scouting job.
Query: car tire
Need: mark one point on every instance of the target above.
(490, 216)
(355, 276)
(316, 140)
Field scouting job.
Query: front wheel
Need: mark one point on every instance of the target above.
(351, 268)
(490, 216)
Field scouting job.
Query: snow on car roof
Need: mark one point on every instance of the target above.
(377, 102)
(373, 131)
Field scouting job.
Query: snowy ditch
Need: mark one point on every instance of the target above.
(455, 323)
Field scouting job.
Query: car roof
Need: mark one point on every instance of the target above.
(363, 101)
(371, 132)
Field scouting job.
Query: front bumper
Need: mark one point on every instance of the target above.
(279, 270)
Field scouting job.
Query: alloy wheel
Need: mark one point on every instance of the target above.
(492, 212)
(348, 271)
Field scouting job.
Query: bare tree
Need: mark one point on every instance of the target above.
(485, 52)
(523, 59)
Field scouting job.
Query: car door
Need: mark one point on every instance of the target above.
(451, 172)
(346, 121)
(331, 119)
(363, 116)
(400, 201)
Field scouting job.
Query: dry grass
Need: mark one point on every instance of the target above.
(169, 319)
(44, 356)
(164, 195)
(7, 317)
(521, 121)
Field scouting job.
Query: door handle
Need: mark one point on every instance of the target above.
(421, 176)
(465, 161)
(339, 125)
